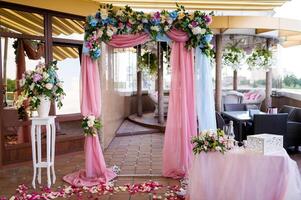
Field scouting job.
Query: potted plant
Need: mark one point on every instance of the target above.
(39, 87)
(234, 57)
(261, 58)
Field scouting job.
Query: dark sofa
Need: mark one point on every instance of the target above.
(293, 135)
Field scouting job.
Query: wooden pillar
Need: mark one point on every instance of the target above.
(160, 84)
(1, 109)
(235, 80)
(218, 72)
(139, 84)
(4, 80)
(268, 83)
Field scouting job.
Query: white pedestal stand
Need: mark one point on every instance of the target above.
(36, 142)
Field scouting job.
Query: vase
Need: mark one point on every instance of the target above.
(44, 107)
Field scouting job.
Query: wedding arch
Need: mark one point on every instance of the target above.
(191, 95)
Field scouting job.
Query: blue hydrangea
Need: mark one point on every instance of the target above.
(208, 37)
(155, 21)
(173, 15)
(93, 22)
(97, 53)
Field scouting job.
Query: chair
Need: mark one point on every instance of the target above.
(252, 107)
(290, 110)
(294, 128)
(235, 107)
(220, 122)
(271, 123)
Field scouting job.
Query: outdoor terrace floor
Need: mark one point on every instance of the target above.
(139, 157)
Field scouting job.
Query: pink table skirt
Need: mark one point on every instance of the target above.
(244, 176)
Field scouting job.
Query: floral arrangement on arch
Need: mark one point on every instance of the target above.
(209, 141)
(234, 57)
(91, 125)
(109, 21)
(261, 58)
(43, 81)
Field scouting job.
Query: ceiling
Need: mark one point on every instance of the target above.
(253, 5)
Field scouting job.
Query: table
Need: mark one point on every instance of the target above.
(240, 117)
(244, 176)
(36, 141)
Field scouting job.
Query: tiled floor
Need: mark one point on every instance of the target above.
(129, 128)
(139, 157)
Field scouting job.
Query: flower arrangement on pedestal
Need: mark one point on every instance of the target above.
(91, 125)
(40, 86)
(109, 21)
(261, 58)
(209, 141)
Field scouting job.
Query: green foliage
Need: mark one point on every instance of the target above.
(234, 57)
(208, 141)
(291, 80)
(43, 81)
(91, 125)
(11, 85)
(148, 62)
(261, 58)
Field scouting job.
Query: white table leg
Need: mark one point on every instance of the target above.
(33, 143)
(39, 147)
(53, 151)
(48, 144)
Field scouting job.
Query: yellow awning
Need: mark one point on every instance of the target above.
(87, 7)
(288, 31)
(32, 24)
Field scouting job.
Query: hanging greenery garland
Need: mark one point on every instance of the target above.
(261, 58)
(234, 57)
(109, 21)
(148, 63)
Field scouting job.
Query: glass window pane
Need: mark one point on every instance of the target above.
(68, 72)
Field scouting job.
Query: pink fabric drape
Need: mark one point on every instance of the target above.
(125, 41)
(181, 119)
(95, 171)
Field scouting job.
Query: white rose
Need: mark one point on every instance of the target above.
(140, 27)
(203, 31)
(45, 75)
(91, 118)
(99, 33)
(49, 86)
(104, 13)
(196, 30)
(110, 32)
(119, 13)
(31, 86)
(90, 123)
(114, 29)
(39, 70)
(60, 84)
(218, 148)
(166, 28)
(155, 28)
(22, 82)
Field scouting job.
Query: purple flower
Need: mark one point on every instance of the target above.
(157, 15)
(208, 19)
(37, 77)
(194, 24)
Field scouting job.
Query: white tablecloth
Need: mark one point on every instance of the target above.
(244, 176)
